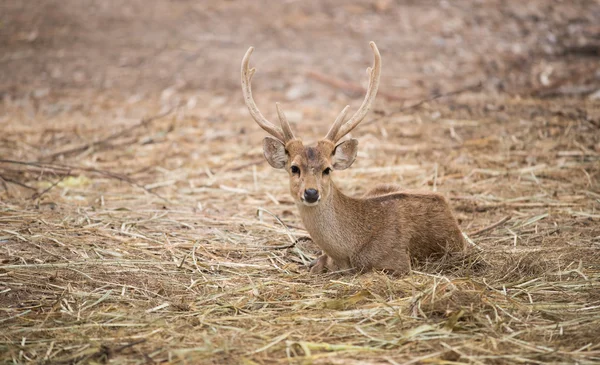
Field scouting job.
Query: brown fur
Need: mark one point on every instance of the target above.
(383, 230)
(386, 228)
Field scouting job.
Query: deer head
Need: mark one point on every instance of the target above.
(310, 167)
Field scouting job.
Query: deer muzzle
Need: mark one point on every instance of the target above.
(311, 196)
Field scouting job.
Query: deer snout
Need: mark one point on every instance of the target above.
(311, 195)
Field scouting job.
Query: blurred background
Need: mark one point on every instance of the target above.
(139, 47)
(78, 76)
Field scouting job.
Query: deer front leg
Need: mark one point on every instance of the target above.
(321, 264)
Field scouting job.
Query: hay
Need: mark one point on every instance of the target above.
(98, 269)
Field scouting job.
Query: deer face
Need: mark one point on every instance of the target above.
(310, 167)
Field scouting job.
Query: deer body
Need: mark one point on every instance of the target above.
(383, 230)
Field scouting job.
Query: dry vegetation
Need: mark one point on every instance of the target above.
(170, 240)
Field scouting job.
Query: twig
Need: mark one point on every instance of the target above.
(289, 233)
(103, 353)
(349, 87)
(242, 166)
(335, 82)
(471, 242)
(419, 103)
(39, 195)
(68, 168)
(5, 180)
(567, 90)
(119, 349)
(4, 185)
(491, 226)
(142, 123)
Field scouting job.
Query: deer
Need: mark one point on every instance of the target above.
(386, 229)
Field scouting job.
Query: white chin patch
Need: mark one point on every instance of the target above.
(310, 204)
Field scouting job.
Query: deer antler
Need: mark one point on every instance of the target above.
(284, 133)
(338, 130)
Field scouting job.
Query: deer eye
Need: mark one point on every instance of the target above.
(295, 169)
(326, 171)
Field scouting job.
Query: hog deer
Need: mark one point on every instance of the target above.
(384, 229)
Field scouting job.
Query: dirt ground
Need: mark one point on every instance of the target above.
(140, 224)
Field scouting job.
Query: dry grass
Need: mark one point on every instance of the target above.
(189, 265)
(140, 241)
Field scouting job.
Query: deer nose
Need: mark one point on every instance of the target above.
(311, 195)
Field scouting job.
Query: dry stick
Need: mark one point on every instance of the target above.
(354, 88)
(350, 87)
(121, 348)
(5, 180)
(68, 168)
(142, 123)
(491, 226)
(103, 351)
(289, 233)
(240, 166)
(39, 195)
(419, 103)
(4, 185)
(335, 82)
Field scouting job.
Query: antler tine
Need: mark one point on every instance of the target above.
(285, 126)
(374, 74)
(333, 131)
(247, 74)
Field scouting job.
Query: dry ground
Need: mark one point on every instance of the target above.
(132, 240)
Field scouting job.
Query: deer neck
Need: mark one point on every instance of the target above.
(330, 223)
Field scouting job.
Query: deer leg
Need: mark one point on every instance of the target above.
(381, 255)
(321, 264)
(397, 263)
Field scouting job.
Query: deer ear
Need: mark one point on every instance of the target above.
(344, 154)
(274, 151)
